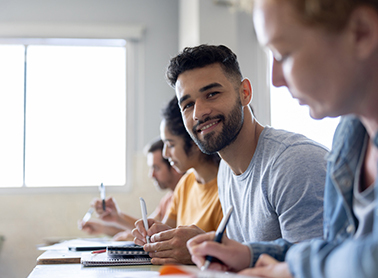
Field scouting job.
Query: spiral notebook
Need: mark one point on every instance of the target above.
(127, 250)
(103, 259)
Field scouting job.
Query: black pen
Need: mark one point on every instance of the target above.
(102, 192)
(218, 235)
(85, 248)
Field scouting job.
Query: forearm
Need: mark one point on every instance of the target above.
(276, 249)
(125, 221)
(111, 230)
(348, 259)
(169, 221)
(156, 215)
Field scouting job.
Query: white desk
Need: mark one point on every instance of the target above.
(78, 271)
(66, 264)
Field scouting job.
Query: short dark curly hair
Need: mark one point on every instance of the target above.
(201, 56)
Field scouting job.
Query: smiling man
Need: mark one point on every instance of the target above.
(274, 179)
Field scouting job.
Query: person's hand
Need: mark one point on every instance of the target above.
(111, 213)
(169, 247)
(266, 266)
(233, 255)
(91, 227)
(140, 232)
(123, 236)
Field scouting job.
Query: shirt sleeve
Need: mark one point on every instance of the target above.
(276, 249)
(348, 259)
(297, 192)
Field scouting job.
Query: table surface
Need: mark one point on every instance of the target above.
(77, 270)
(59, 263)
(63, 264)
(59, 257)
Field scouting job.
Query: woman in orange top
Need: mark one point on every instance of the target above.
(195, 199)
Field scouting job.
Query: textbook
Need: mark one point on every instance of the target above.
(117, 255)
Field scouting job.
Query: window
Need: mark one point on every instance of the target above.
(11, 115)
(63, 113)
(287, 114)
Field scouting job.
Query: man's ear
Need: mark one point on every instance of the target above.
(246, 92)
(364, 25)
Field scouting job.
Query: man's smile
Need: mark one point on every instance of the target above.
(207, 126)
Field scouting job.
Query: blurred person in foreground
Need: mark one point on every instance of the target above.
(326, 54)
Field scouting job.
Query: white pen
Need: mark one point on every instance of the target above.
(87, 216)
(144, 216)
(218, 235)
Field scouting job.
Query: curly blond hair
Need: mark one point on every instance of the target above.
(329, 14)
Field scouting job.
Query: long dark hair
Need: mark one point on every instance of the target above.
(173, 121)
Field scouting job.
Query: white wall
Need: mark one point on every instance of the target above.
(219, 24)
(28, 217)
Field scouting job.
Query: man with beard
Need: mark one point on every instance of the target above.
(274, 179)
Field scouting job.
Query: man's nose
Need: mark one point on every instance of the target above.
(201, 110)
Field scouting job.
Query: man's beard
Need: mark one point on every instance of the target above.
(231, 128)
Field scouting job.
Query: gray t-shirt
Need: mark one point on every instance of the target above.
(280, 195)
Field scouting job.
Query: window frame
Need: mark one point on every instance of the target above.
(134, 58)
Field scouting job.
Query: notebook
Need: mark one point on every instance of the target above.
(86, 245)
(104, 259)
(126, 250)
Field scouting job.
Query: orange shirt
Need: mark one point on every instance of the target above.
(195, 203)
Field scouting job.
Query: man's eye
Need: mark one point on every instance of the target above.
(186, 106)
(212, 94)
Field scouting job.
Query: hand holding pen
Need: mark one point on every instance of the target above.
(144, 216)
(87, 216)
(218, 236)
(112, 212)
(140, 232)
(232, 255)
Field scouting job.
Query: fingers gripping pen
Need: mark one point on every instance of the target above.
(218, 235)
(144, 216)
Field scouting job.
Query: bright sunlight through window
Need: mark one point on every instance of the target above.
(74, 133)
(11, 115)
(287, 114)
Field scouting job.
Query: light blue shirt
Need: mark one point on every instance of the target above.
(340, 253)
